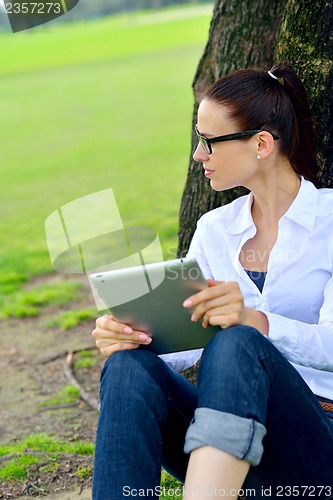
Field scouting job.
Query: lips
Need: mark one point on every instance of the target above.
(208, 172)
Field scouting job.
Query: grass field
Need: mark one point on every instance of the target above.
(89, 106)
(85, 107)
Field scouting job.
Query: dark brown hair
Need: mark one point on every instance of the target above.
(256, 100)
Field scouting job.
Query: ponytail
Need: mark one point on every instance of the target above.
(275, 101)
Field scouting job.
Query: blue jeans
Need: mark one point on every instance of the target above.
(250, 402)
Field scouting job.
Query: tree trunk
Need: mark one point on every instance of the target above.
(306, 41)
(242, 34)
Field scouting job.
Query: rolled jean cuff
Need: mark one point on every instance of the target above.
(239, 436)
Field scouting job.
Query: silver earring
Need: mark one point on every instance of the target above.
(258, 157)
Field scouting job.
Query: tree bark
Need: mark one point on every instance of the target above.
(306, 41)
(242, 34)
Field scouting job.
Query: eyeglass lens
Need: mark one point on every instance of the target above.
(203, 142)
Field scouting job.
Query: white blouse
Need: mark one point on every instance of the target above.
(297, 296)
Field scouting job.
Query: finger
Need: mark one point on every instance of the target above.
(203, 307)
(224, 321)
(113, 331)
(109, 337)
(230, 294)
(107, 326)
(212, 282)
(216, 316)
(109, 323)
(229, 298)
(223, 317)
(102, 344)
(217, 319)
(109, 350)
(206, 294)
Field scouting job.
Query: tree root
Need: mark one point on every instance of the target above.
(89, 400)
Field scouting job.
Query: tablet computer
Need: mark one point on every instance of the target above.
(150, 298)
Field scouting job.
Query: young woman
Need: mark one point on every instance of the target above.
(261, 416)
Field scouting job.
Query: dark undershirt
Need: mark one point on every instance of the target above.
(258, 278)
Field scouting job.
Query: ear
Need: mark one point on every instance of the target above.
(265, 144)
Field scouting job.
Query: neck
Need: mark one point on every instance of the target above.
(273, 195)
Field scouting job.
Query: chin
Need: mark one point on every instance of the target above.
(220, 186)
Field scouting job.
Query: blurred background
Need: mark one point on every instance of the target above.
(100, 97)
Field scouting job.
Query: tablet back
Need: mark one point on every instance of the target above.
(150, 298)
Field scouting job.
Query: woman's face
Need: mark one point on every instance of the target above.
(231, 163)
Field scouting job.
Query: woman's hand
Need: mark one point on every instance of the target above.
(112, 336)
(222, 304)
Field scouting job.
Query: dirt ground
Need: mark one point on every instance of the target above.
(32, 361)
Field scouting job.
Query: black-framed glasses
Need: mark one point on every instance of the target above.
(206, 143)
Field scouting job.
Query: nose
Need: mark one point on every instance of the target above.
(200, 154)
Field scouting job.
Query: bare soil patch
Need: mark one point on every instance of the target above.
(32, 360)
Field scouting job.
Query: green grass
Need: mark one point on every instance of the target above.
(17, 467)
(49, 467)
(86, 359)
(171, 489)
(84, 472)
(70, 319)
(26, 303)
(44, 443)
(66, 395)
(89, 106)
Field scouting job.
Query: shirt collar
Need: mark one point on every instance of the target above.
(243, 219)
(302, 210)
